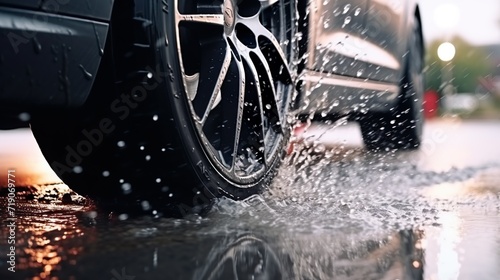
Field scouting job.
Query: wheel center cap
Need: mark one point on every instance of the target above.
(229, 15)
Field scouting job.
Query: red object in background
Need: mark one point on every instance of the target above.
(298, 130)
(431, 104)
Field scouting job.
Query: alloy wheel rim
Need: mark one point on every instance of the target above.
(237, 80)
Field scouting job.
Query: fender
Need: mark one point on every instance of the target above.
(51, 52)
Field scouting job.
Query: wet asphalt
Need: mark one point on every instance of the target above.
(334, 211)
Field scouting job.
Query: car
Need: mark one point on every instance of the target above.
(365, 61)
(161, 106)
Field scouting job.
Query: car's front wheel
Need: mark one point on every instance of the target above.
(197, 107)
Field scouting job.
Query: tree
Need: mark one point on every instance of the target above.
(470, 63)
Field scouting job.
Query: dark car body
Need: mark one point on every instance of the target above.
(356, 54)
(50, 52)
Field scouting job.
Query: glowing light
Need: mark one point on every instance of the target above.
(446, 51)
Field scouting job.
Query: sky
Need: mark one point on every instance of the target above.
(477, 21)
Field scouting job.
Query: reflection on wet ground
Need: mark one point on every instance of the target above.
(334, 211)
(78, 242)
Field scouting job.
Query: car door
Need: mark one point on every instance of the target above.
(335, 35)
(386, 39)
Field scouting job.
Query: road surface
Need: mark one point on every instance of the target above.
(335, 211)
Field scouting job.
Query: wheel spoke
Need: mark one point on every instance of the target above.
(221, 123)
(260, 94)
(241, 101)
(269, 75)
(270, 99)
(213, 71)
(262, 33)
(272, 119)
(232, 89)
(250, 151)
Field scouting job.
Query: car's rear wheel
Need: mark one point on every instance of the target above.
(198, 106)
(402, 127)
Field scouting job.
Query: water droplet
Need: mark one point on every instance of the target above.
(158, 180)
(148, 158)
(141, 148)
(306, 103)
(165, 189)
(347, 20)
(326, 23)
(155, 117)
(77, 169)
(37, 46)
(24, 117)
(145, 205)
(127, 188)
(336, 12)
(359, 73)
(105, 173)
(171, 195)
(357, 12)
(268, 106)
(121, 144)
(91, 214)
(299, 36)
(122, 217)
(346, 9)
(85, 73)
(149, 75)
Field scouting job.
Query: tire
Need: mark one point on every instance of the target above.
(402, 127)
(156, 135)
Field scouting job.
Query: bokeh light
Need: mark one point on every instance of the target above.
(446, 51)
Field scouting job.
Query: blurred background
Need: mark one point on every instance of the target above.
(463, 58)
